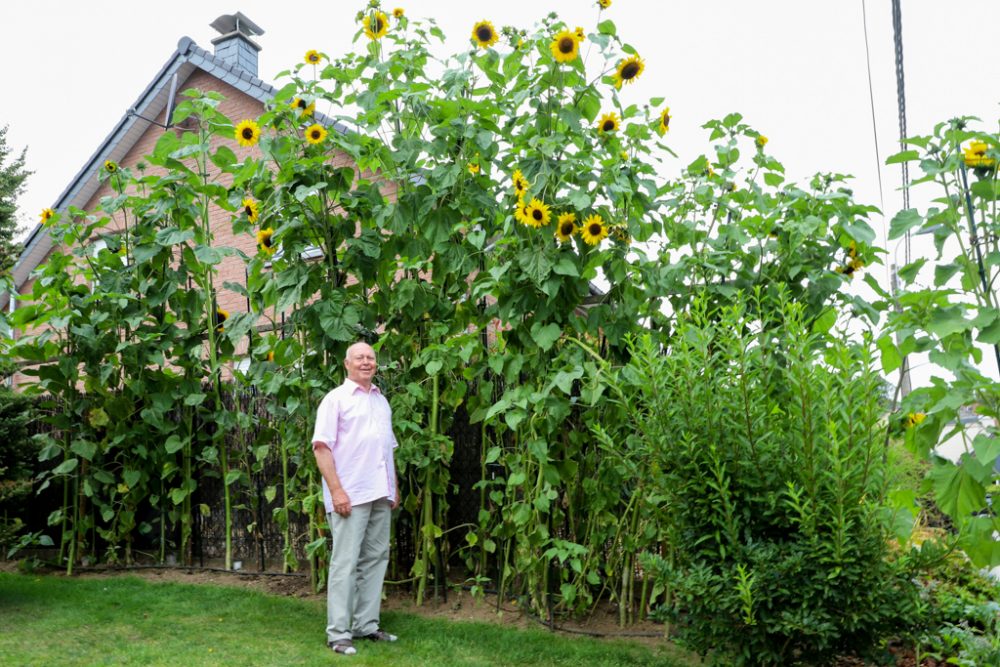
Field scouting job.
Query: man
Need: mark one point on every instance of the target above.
(353, 444)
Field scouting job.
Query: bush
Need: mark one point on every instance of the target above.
(18, 453)
(769, 442)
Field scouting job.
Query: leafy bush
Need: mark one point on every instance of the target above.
(769, 444)
(17, 460)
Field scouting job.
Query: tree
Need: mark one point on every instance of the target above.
(12, 177)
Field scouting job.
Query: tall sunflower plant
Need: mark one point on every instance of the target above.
(946, 311)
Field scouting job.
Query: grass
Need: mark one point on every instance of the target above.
(51, 620)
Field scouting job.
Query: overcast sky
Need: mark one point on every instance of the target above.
(795, 69)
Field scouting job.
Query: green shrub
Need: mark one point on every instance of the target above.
(17, 460)
(773, 484)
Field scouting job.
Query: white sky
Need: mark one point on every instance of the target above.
(794, 68)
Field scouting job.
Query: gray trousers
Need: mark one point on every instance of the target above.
(358, 561)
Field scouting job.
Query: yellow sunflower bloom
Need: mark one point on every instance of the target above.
(609, 122)
(110, 166)
(623, 155)
(521, 212)
(265, 242)
(593, 230)
(566, 227)
(221, 316)
(251, 209)
(975, 155)
(376, 25)
(313, 57)
(604, 4)
(484, 34)
(473, 168)
(565, 47)
(247, 133)
(536, 214)
(398, 12)
(46, 215)
(270, 355)
(303, 107)
(520, 183)
(628, 70)
(761, 140)
(664, 121)
(315, 133)
(580, 34)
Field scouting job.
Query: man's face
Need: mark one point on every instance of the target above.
(360, 364)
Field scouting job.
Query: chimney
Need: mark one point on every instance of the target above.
(234, 44)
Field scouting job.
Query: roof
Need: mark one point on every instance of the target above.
(151, 103)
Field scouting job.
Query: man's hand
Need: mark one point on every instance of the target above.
(341, 502)
(395, 501)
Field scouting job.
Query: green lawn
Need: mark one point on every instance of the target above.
(48, 620)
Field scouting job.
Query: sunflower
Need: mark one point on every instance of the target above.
(247, 133)
(593, 230)
(521, 212)
(913, 419)
(313, 57)
(398, 12)
(264, 241)
(46, 215)
(975, 155)
(484, 34)
(251, 209)
(565, 46)
(520, 183)
(270, 355)
(623, 155)
(761, 140)
(376, 25)
(629, 70)
(110, 166)
(620, 233)
(221, 316)
(580, 36)
(473, 168)
(603, 4)
(665, 120)
(566, 226)
(608, 123)
(536, 214)
(303, 107)
(315, 133)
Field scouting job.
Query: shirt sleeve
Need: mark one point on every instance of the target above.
(327, 420)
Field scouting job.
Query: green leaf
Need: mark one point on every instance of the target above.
(904, 221)
(223, 157)
(944, 272)
(232, 476)
(902, 156)
(987, 448)
(956, 488)
(545, 336)
(825, 321)
(85, 449)
(195, 398)
(891, 360)
(131, 477)
(173, 444)
(909, 272)
(208, 255)
(566, 267)
(67, 466)
(773, 179)
(947, 320)
(492, 455)
(607, 28)
(536, 265)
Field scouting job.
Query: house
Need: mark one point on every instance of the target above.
(231, 70)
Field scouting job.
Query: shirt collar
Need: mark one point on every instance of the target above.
(354, 387)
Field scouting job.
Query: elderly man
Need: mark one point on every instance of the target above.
(353, 444)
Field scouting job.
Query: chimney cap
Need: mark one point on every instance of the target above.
(229, 23)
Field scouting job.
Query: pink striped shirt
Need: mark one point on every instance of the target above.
(357, 427)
